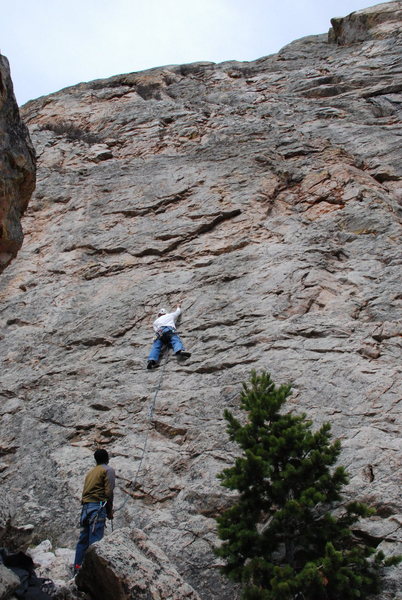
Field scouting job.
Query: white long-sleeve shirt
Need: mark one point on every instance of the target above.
(168, 320)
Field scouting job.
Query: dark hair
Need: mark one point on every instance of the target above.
(101, 456)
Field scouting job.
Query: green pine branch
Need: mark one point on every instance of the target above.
(282, 538)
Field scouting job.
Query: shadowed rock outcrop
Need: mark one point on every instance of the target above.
(377, 22)
(268, 195)
(17, 169)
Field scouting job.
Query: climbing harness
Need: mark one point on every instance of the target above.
(92, 518)
(165, 334)
(94, 521)
(151, 411)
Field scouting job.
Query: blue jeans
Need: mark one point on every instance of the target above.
(92, 521)
(174, 342)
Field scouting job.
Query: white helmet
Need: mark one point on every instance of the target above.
(162, 311)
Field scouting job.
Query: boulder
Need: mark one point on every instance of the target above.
(126, 565)
(8, 582)
(13, 536)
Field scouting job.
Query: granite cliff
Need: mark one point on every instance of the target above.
(266, 194)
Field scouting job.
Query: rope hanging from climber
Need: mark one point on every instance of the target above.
(166, 338)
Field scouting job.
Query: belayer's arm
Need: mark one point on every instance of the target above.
(109, 487)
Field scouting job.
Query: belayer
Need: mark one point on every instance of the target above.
(166, 335)
(97, 504)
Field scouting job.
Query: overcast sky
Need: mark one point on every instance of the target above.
(52, 44)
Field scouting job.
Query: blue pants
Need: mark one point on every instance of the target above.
(92, 521)
(173, 341)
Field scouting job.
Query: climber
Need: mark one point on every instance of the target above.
(165, 329)
(97, 504)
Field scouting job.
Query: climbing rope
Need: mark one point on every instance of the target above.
(151, 411)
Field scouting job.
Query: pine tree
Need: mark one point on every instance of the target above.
(287, 536)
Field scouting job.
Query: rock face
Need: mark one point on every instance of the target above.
(17, 169)
(267, 194)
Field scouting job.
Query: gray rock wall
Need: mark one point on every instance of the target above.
(267, 194)
(17, 169)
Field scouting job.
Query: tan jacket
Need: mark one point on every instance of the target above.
(99, 485)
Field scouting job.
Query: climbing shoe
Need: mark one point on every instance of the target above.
(151, 364)
(183, 354)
